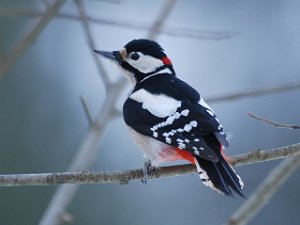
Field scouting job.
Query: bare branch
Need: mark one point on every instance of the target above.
(123, 177)
(92, 44)
(167, 30)
(279, 125)
(265, 191)
(257, 155)
(255, 92)
(30, 37)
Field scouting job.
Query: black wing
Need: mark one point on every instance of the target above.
(192, 127)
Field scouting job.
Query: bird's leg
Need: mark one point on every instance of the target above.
(148, 168)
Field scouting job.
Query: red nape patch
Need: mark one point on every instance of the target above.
(185, 155)
(166, 61)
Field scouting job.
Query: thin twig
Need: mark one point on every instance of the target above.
(255, 92)
(167, 30)
(279, 125)
(87, 110)
(91, 44)
(26, 42)
(123, 177)
(257, 155)
(265, 191)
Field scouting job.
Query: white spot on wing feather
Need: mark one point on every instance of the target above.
(181, 145)
(194, 123)
(210, 112)
(185, 112)
(204, 104)
(168, 140)
(187, 127)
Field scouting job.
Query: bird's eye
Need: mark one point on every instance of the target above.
(134, 56)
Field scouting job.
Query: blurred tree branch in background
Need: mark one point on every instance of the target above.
(265, 191)
(256, 92)
(167, 30)
(123, 177)
(269, 186)
(28, 39)
(275, 124)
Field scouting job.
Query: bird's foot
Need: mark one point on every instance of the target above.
(147, 169)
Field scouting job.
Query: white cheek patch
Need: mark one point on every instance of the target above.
(146, 63)
(159, 105)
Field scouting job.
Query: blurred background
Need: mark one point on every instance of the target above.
(220, 47)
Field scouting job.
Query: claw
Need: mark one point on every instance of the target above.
(148, 168)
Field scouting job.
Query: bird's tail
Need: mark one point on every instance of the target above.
(219, 176)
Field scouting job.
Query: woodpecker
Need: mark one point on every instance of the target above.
(169, 120)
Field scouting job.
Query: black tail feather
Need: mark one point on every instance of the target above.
(219, 175)
(220, 180)
(235, 180)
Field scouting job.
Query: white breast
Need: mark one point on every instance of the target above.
(155, 150)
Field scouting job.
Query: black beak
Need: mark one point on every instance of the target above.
(114, 56)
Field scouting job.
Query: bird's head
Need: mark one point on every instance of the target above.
(141, 59)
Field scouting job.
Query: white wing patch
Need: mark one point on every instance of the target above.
(159, 105)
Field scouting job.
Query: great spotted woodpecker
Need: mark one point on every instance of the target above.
(169, 120)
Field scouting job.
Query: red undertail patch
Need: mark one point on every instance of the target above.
(186, 155)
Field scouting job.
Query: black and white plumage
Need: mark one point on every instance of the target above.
(169, 120)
